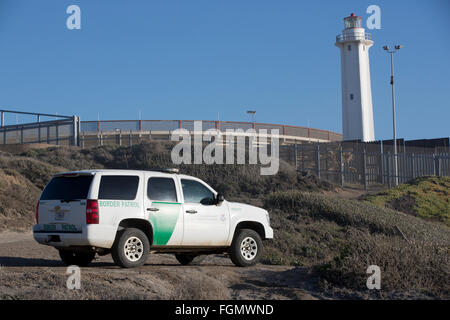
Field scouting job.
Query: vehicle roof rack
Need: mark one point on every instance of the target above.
(166, 170)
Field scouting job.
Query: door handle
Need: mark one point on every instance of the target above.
(191, 211)
(152, 209)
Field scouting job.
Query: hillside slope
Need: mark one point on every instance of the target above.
(335, 238)
(341, 238)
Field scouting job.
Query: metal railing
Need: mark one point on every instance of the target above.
(70, 130)
(342, 37)
(133, 131)
(366, 164)
(64, 130)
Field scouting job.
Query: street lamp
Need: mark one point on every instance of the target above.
(391, 52)
(252, 113)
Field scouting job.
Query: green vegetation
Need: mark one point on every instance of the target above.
(426, 197)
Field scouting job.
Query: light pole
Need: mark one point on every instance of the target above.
(252, 113)
(391, 52)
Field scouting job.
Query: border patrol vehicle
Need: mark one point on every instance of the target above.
(129, 214)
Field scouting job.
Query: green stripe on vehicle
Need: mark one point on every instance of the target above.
(164, 221)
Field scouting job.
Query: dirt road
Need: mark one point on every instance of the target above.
(32, 271)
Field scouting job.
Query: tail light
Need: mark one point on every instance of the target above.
(92, 216)
(37, 212)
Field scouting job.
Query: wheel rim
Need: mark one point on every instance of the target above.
(133, 249)
(249, 248)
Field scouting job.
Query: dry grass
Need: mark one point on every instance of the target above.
(343, 237)
(339, 237)
(18, 198)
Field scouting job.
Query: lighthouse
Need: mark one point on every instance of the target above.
(357, 113)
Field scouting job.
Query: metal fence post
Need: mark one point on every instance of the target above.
(388, 158)
(318, 161)
(413, 166)
(326, 163)
(130, 143)
(364, 168)
(341, 169)
(437, 169)
(295, 155)
(381, 162)
(57, 134)
(75, 131)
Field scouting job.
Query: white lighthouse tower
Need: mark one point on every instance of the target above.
(357, 113)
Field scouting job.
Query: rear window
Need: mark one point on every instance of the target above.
(118, 187)
(67, 188)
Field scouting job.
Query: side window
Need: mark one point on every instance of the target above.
(118, 187)
(161, 189)
(195, 192)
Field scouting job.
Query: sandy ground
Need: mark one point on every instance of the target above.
(32, 271)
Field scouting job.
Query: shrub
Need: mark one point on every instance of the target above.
(426, 197)
(407, 267)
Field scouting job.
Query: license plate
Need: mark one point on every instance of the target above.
(50, 227)
(69, 228)
(59, 216)
(60, 227)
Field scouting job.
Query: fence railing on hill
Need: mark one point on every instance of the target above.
(367, 164)
(308, 149)
(126, 132)
(61, 131)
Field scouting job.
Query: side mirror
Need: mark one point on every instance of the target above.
(219, 198)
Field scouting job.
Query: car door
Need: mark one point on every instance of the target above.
(205, 222)
(163, 209)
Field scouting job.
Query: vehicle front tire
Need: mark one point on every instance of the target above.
(131, 248)
(81, 259)
(246, 248)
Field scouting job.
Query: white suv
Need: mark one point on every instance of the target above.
(131, 213)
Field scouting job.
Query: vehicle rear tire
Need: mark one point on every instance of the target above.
(71, 257)
(185, 258)
(246, 248)
(131, 248)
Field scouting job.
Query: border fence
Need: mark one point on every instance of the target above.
(69, 130)
(312, 150)
(370, 164)
(62, 131)
(127, 132)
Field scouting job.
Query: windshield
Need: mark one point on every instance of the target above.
(67, 188)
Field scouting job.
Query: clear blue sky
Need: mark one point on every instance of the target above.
(194, 59)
